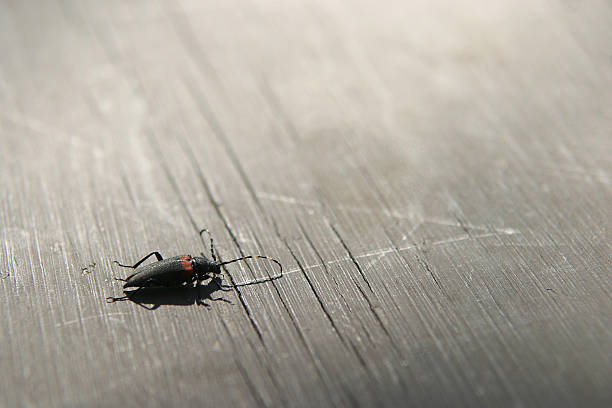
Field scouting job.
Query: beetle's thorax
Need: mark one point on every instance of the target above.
(204, 267)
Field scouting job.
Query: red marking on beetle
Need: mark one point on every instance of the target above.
(187, 268)
(186, 257)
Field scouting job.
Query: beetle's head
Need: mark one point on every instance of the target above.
(204, 267)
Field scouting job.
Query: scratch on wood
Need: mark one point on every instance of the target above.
(84, 319)
(316, 204)
(384, 251)
(387, 213)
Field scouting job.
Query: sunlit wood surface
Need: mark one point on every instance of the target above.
(435, 178)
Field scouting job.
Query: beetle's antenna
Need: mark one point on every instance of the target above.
(262, 280)
(212, 246)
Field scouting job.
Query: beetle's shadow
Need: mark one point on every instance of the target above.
(174, 296)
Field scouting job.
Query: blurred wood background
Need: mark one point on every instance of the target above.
(434, 176)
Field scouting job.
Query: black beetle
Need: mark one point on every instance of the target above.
(181, 270)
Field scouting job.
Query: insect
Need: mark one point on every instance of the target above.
(183, 270)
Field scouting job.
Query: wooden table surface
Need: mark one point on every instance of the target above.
(435, 178)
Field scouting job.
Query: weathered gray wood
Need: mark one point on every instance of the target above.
(435, 178)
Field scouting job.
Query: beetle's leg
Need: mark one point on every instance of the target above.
(221, 299)
(220, 285)
(145, 306)
(112, 299)
(128, 296)
(157, 255)
(217, 281)
(200, 303)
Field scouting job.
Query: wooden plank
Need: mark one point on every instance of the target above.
(435, 179)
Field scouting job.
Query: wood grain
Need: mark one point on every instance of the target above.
(434, 177)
